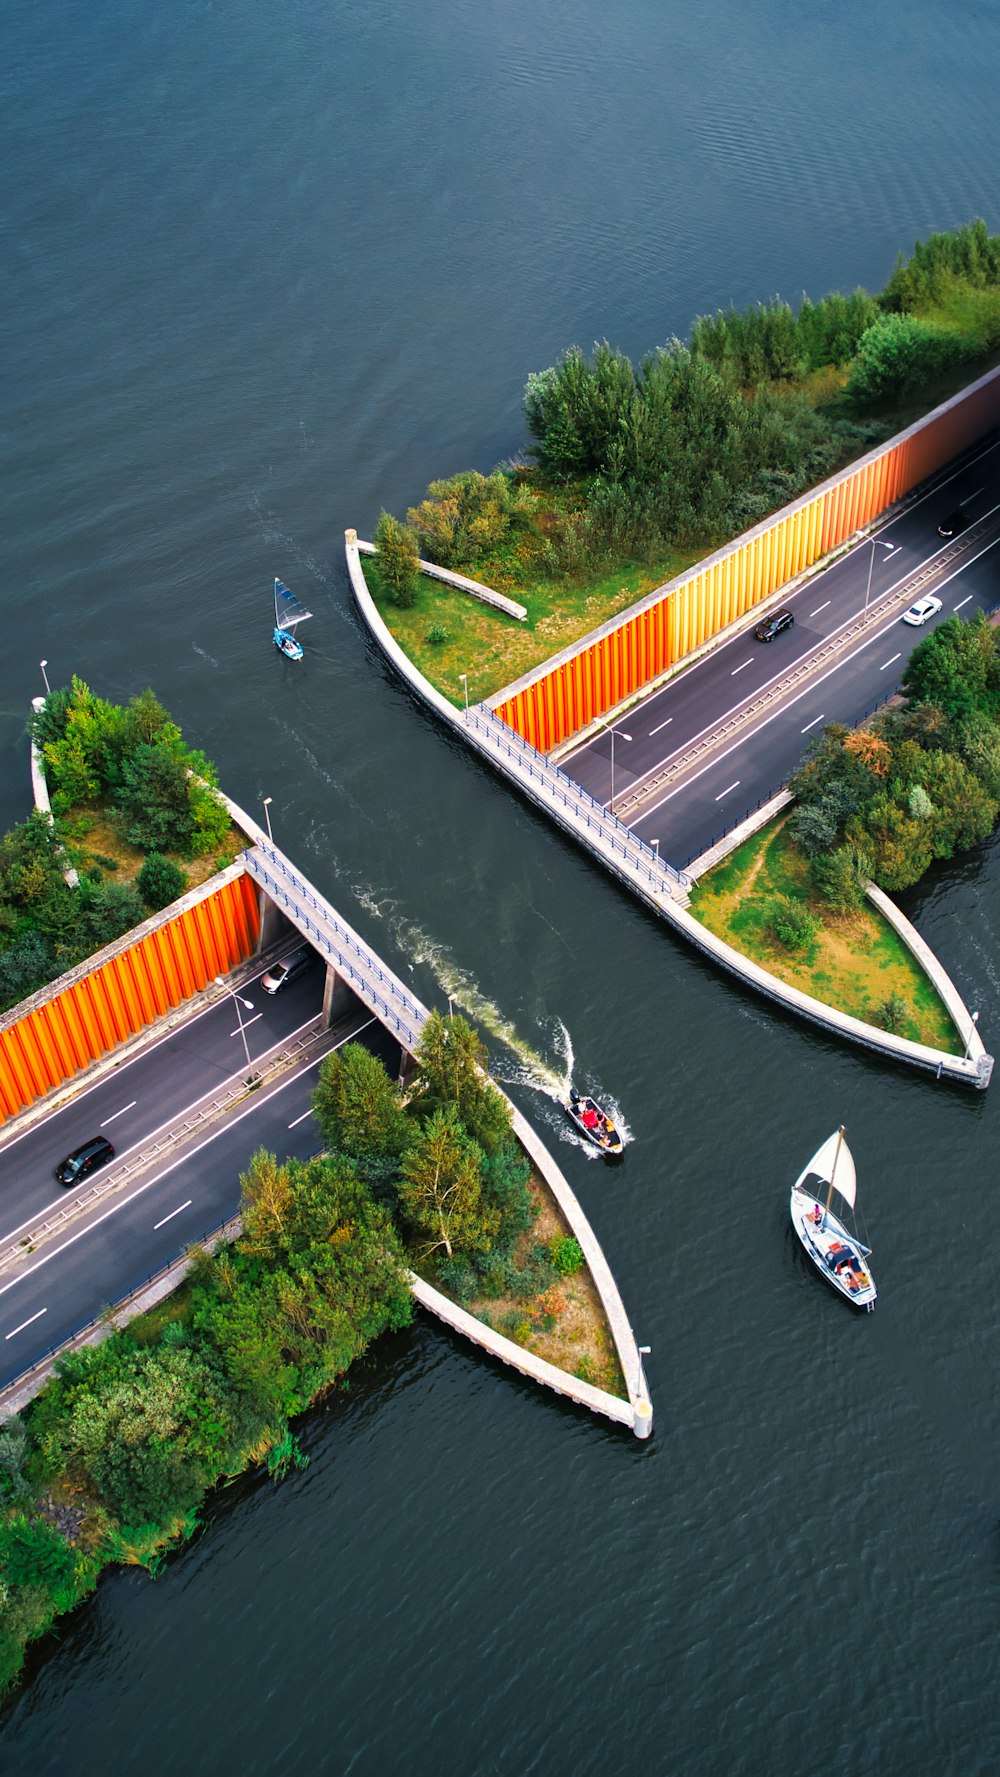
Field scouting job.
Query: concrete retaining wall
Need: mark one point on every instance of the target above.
(543, 784)
(461, 583)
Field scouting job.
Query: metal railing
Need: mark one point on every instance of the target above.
(592, 815)
(395, 1007)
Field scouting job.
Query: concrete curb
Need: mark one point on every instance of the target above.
(970, 1069)
(462, 583)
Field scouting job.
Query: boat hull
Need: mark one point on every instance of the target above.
(605, 1137)
(836, 1253)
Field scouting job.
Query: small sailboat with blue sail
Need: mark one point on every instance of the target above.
(834, 1249)
(289, 612)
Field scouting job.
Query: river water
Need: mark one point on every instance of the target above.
(269, 268)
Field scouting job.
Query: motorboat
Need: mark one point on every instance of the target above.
(593, 1121)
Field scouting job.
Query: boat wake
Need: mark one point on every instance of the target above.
(550, 1078)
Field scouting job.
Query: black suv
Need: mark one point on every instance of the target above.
(94, 1153)
(956, 521)
(772, 626)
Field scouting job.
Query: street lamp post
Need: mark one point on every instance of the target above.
(972, 1028)
(267, 817)
(45, 677)
(451, 1008)
(612, 731)
(644, 1351)
(465, 681)
(252, 1079)
(871, 569)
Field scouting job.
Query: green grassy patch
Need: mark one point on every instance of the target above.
(855, 961)
(494, 649)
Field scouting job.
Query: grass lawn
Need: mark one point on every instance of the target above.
(856, 961)
(94, 841)
(494, 649)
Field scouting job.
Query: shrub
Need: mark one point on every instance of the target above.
(437, 635)
(565, 1255)
(898, 352)
(790, 922)
(159, 881)
(892, 1014)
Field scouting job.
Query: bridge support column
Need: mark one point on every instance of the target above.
(337, 997)
(272, 921)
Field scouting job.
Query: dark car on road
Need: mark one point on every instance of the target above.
(288, 969)
(84, 1160)
(772, 626)
(956, 521)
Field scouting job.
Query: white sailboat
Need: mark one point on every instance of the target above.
(288, 613)
(832, 1247)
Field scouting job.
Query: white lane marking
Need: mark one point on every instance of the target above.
(173, 1213)
(811, 724)
(891, 662)
(247, 1023)
(299, 1120)
(182, 1160)
(665, 724)
(967, 601)
(26, 1323)
(121, 1113)
(819, 608)
(877, 635)
(739, 669)
(168, 1123)
(732, 786)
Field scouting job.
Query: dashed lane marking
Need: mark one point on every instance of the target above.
(121, 1113)
(173, 1213)
(26, 1323)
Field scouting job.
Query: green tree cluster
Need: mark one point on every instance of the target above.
(919, 783)
(113, 1459)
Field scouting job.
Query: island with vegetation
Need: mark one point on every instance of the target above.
(637, 471)
(917, 783)
(115, 1458)
(134, 813)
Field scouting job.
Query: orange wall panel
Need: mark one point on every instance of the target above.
(119, 997)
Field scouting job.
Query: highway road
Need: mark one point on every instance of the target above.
(137, 1228)
(711, 794)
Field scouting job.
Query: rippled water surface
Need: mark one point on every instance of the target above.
(267, 269)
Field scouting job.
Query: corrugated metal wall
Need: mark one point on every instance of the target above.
(660, 631)
(121, 996)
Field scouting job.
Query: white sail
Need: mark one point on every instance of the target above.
(834, 1163)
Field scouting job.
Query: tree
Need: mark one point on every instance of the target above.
(451, 1070)
(896, 353)
(441, 1193)
(398, 560)
(159, 881)
(957, 668)
(153, 800)
(360, 1110)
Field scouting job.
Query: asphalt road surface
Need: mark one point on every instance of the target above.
(707, 800)
(111, 1248)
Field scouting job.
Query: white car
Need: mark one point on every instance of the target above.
(924, 609)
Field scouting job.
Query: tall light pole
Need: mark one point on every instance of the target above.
(613, 731)
(871, 566)
(252, 1079)
(267, 817)
(972, 1029)
(644, 1351)
(451, 1008)
(465, 681)
(45, 677)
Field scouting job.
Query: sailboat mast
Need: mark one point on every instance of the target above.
(833, 1170)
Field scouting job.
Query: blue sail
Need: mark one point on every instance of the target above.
(288, 612)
